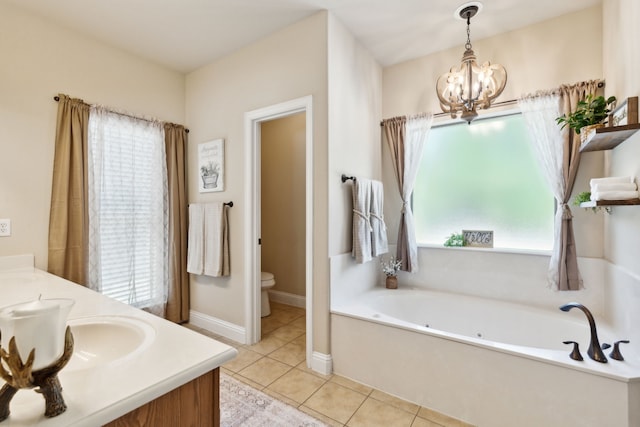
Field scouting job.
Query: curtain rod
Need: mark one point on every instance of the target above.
(57, 99)
(497, 104)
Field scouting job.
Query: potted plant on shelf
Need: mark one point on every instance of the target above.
(590, 113)
(390, 268)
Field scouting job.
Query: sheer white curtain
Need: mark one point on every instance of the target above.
(547, 139)
(406, 137)
(128, 210)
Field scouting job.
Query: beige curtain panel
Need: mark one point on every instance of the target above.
(176, 152)
(560, 157)
(568, 274)
(68, 221)
(406, 137)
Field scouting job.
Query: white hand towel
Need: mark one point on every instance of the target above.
(216, 241)
(614, 195)
(612, 180)
(614, 187)
(361, 249)
(379, 244)
(195, 241)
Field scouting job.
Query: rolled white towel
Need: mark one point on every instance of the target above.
(612, 180)
(614, 187)
(614, 195)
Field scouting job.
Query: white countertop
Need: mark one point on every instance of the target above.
(94, 396)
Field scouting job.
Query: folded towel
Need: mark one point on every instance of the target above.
(612, 180)
(614, 195)
(613, 187)
(216, 240)
(195, 240)
(379, 244)
(361, 233)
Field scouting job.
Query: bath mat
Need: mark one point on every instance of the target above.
(242, 405)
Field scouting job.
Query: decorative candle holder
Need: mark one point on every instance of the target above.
(21, 376)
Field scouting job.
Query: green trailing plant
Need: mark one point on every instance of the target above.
(456, 239)
(585, 196)
(589, 111)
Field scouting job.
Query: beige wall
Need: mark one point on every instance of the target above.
(541, 56)
(39, 61)
(282, 198)
(319, 57)
(355, 109)
(622, 71)
(288, 64)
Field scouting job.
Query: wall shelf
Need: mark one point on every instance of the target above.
(593, 204)
(608, 137)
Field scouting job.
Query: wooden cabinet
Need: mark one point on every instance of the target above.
(196, 403)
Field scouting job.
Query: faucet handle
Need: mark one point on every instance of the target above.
(575, 353)
(605, 345)
(615, 353)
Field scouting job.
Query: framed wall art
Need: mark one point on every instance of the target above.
(211, 166)
(478, 238)
(626, 113)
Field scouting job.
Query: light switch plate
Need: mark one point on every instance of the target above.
(5, 227)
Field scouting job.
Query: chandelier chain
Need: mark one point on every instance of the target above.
(467, 45)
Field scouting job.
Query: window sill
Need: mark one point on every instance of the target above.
(492, 250)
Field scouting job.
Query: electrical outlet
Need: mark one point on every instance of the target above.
(5, 227)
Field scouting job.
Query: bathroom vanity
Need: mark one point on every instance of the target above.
(128, 367)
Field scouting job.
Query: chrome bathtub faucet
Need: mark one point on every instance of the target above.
(594, 351)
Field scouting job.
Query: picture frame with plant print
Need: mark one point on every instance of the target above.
(211, 166)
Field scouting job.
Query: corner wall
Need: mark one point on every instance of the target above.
(622, 227)
(622, 68)
(537, 57)
(288, 64)
(40, 60)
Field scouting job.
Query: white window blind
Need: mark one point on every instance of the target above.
(128, 215)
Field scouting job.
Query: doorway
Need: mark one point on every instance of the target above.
(253, 145)
(282, 213)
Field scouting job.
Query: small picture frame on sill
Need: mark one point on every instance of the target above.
(625, 114)
(478, 238)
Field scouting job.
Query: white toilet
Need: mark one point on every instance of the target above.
(268, 282)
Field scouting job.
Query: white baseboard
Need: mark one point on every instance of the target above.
(288, 298)
(322, 363)
(218, 326)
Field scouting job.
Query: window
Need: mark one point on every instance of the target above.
(483, 176)
(128, 216)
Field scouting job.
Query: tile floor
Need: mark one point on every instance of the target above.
(277, 367)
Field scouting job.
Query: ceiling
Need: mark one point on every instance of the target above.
(187, 34)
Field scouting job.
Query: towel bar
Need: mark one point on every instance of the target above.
(230, 204)
(345, 178)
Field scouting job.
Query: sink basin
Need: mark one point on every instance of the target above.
(106, 340)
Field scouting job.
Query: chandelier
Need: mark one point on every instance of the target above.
(472, 86)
